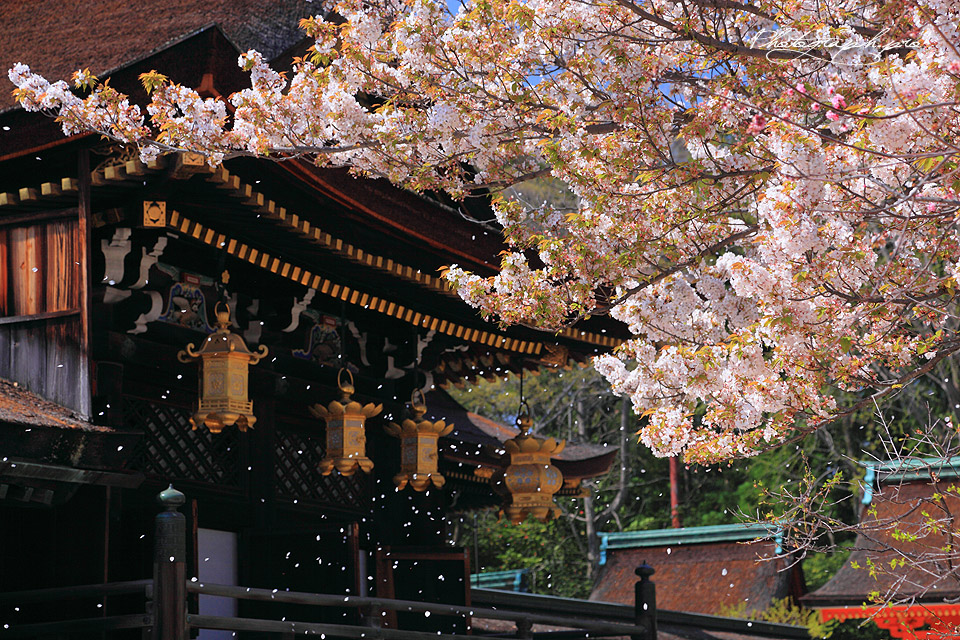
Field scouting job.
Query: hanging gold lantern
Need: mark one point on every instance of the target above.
(346, 438)
(224, 361)
(529, 481)
(418, 447)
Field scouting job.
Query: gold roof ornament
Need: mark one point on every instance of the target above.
(224, 361)
(530, 480)
(346, 435)
(418, 447)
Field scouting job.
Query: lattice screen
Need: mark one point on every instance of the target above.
(171, 449)
(297, 476)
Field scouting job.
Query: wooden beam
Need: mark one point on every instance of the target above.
(115, 173)
(29, 218)
(55, 594)
(135, 168)
(91, 625)
(37, 317)
(28, 194)
(84, 215)
(50, 189)
(188, 164)
(157, 164)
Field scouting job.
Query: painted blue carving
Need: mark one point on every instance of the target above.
(187, 307)
(323, 345)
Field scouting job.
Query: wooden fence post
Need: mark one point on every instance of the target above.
(645, 603)
(170, 568)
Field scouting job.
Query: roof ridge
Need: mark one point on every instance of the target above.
(688, 535)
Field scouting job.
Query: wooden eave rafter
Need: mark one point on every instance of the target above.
(59, 473)
(352, 296)
(303, 228)
(185, 166)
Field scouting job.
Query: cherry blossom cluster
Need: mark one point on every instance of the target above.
(768, 190)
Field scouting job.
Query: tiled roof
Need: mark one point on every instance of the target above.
(511, 580)
(686, 535)
(20, 407)
(896, 509)
(56, 39)
(582, 460)
(702, 578)
(892, 471)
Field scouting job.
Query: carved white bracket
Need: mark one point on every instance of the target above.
(148, 260)
(114, 251)
(114, 295)
(423, 342)
(298, 307)
(361, 340)
(254, 328)
(156, 308)
(232, 303)
(393, 373)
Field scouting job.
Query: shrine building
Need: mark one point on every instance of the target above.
(275, 341)
(907, 526)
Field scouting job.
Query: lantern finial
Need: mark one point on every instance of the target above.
(418, 446)
(222, 312)
(524, 421)
(346, 387)
(346, 437)
(224, 361)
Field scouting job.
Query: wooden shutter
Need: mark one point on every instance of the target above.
(62, 268)
(26, 269)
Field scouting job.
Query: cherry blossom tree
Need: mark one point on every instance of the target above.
(767, 188)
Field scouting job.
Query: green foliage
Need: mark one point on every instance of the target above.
(549, 550)
(818, 568)
(152, 80)
(785, 611)
(823, 465)
(857, 630)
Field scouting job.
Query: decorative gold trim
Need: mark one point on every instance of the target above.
(284, 269)
(154, 213)
(223, 179)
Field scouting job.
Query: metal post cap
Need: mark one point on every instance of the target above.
(171, 499)
(644, 571)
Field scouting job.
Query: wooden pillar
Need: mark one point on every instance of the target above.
(645, 603)
(674, 495)
(170, 568)
(85, 293)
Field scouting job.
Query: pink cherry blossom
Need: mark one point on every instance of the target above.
(762, 257)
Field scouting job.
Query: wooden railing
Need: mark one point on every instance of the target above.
(80, 592)
(679, 623)
(523, 619)
(165, 615)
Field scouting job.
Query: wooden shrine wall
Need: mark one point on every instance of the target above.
(41, 332)
(273, 464)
